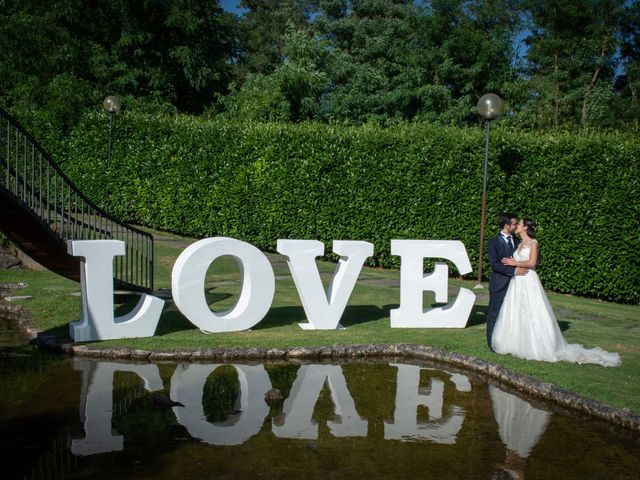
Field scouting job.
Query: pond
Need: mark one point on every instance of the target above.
(386, 419)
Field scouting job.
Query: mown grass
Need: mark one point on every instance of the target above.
(614, 327)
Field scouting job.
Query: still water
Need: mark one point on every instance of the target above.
(77, 418)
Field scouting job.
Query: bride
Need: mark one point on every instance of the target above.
(526, 326)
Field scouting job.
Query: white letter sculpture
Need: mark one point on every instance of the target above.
(96, 281)
(324, 310)
(413, 282)
(256, 276)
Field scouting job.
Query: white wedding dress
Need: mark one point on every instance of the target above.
(527, 328)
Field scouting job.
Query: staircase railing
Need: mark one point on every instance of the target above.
(30, 176)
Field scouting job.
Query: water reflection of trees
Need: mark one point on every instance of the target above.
(220, 394)
(57, 461)
(37, 399)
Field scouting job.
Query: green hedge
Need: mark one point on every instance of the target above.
(262, 182)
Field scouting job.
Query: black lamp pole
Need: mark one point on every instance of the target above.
(489, 108)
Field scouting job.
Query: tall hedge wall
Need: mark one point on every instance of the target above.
(262, 182)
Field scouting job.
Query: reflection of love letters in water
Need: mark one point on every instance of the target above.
(409, 396)
(187, 387)
(520, 424)
(96, 403)
(297, 421)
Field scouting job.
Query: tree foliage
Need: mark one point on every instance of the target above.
(628, 83)
(371, 70)
(557, 64)
(65, 56)
(571, 62)
(292, 92)
(262, 32)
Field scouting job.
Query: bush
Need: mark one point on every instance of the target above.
(259, 182)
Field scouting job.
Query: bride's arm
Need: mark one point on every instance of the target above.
(531, 263)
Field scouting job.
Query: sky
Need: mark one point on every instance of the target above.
(231, 6)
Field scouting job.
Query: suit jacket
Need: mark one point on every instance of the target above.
(500, 274)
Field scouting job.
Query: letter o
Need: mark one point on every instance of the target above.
(256, 275)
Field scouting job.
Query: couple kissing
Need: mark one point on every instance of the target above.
(521, 321)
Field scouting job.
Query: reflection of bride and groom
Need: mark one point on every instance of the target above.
(520, 426)
(520, 320)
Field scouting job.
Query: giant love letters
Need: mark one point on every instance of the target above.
(323, 309)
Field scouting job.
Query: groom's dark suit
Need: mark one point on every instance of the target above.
(499, 278)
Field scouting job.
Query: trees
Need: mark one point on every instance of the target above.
(174, 51)
(42, 65)
(467, 47)
(394, 61)
(66, 55)
(277, 71)
(628, 82)
(262, 29)
(292, 92)
(571, 62)
(351, 61)
(372, 67)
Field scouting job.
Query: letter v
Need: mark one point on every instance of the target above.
(324, 310)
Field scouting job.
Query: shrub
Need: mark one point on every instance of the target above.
(259, 182)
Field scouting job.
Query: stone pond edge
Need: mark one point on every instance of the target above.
(622, 417)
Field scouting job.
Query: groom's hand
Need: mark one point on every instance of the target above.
(521, 271)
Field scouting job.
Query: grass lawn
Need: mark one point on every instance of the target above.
(611, 326)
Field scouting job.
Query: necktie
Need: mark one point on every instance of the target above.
(510, 243)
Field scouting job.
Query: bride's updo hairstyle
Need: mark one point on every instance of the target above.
(531, 227)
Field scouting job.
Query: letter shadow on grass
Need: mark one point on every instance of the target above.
(172, 320)
(353, 315)
(356, 314)
(478, 315)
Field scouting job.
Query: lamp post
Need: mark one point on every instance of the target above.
(111, 104)
(489, 107)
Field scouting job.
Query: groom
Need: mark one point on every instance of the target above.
(501, 246)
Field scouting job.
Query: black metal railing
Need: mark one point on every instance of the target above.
(30, 176)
